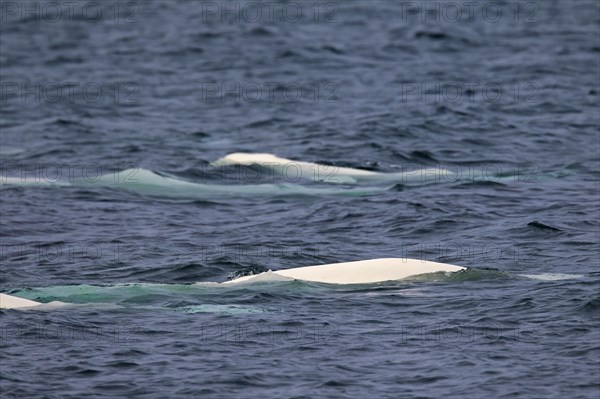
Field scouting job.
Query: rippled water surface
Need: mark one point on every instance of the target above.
(112, 114)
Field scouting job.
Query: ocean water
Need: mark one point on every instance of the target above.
(112, 114)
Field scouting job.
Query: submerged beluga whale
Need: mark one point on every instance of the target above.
(359, 272)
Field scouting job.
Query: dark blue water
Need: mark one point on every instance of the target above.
(505, 94)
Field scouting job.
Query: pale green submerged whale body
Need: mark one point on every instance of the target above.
(359, 272)
(295, 170)
(147, 182)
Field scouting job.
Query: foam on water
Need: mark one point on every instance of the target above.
(553, 276)
(225, 309)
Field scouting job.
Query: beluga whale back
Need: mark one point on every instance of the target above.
(290, 169)
(358, 272)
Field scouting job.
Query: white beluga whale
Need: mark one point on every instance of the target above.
(295, 170)
(358, 272)
(14, 302)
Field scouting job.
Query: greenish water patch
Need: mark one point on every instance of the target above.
(469, 274)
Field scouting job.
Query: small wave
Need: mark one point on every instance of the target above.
(266, 277)
(248, 271)
(10, 151)
(542, 226)
(592, 306)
